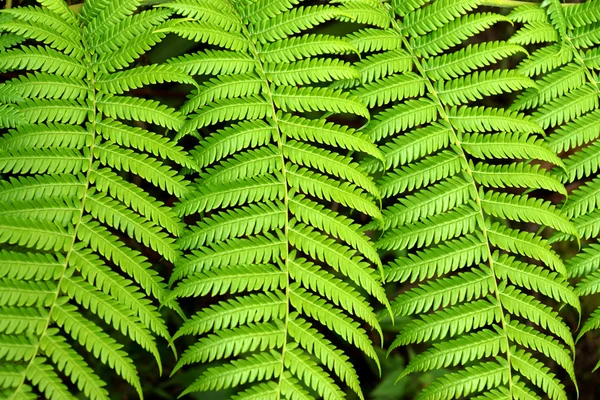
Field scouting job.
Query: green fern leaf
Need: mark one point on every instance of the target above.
(566, 107)
(296, 48)
(265, 235)
(444, 186)
(74, 223)
(42, 59)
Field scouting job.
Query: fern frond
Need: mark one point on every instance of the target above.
(68, 189)
(9, 40)
(310, 71)
(236, 312)
(452, 65)
(480, 377)
(453, 33)
(458, 352)
(146, 167)
(215, 62)
(444, 187)
(129, 27)
(130, 51)
(265, 236)
(530, 276)
(478, 85)
(58, 35)
(134, 78)
(46, 86)
(215, 12)
(566, 106)
(518, 175)
(228, 86)
(508, 146)
(42, 59)
(327, 133)
(296, 48)
(444, 292)
(535, 32)
(46, 136)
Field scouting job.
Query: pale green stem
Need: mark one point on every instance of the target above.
(507, 3)
(8, 4)
(514, 3)
(77, 7)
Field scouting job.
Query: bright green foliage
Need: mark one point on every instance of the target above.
(292, 265)
(284, 198)
(453, 184)
(566, 106)
(74, 221)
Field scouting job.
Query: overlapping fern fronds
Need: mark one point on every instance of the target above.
(76, 225)
(567, 107)
(293, 266)
(455, 170)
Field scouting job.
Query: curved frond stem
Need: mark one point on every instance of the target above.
(67, 168)
(280, 138)
(513, 3)
(580, 60)
(77, 225)
(507, 3)
(568, 108)
(454, 138)
(263, 195)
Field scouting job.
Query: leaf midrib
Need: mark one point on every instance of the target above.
(457, 143)
(49, 320)
(280, 143)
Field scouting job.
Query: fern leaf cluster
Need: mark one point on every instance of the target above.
(455, 209)
(75, 282)
(565, 105)
(307, 158)
(290, 265)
